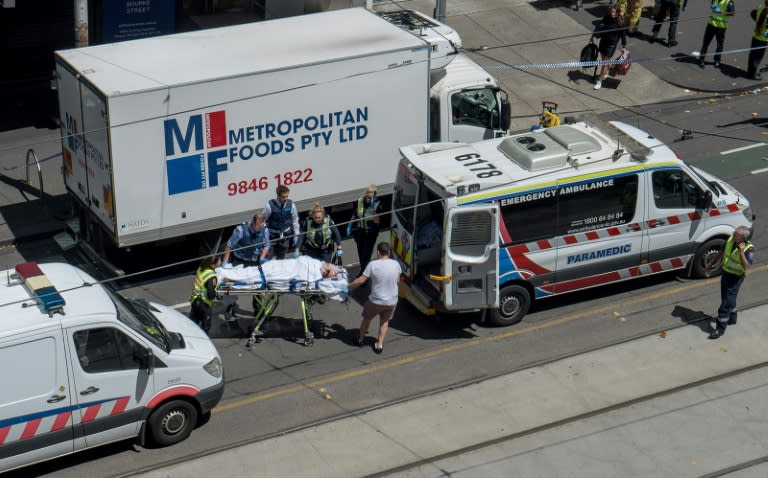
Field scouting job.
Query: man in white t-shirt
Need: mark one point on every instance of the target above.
(385, 275)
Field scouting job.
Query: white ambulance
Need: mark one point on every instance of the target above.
(83, 366)
(496, 224)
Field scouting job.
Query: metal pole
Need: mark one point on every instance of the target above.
(81, 23)
(440, 10)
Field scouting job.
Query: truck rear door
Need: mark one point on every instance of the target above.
(471, 257)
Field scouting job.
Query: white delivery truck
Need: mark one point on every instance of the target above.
(169, 136)
(84, 366)
(496, 224)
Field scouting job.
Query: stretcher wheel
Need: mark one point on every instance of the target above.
(309, 340)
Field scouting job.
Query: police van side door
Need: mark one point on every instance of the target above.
(35, 400)
(111, 387)
(600, 237)
(471, 249)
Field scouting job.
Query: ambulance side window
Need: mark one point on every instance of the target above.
(105, 350)
(673, 189)
(588, 206)
(530, 217)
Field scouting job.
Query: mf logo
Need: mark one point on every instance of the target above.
(190, 163)
(73, 135)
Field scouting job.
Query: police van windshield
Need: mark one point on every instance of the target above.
(137, 317)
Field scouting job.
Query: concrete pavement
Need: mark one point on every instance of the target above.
(585, 415)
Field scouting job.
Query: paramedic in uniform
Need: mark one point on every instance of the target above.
(365, 225)
(737, 253)
(203, 293)
(249, 243)
(320, 236)
(283, 223)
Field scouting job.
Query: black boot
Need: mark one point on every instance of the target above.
(719, 331)
(733, 319)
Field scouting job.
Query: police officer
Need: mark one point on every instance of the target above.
(716, 25)
(283, 223)
(321, 238)
(249, 243)
(737, 254)
(759, 40)
(365, 225)
(203, 293)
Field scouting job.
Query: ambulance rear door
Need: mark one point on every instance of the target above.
(470, 250)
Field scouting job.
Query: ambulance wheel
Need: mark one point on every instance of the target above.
(172, 422)
(514, 302)
(708, 262)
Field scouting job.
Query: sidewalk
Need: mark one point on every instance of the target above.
(530, 399)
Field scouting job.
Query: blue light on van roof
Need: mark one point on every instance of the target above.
(42, 290)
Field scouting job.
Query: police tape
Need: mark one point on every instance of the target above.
(587, 64)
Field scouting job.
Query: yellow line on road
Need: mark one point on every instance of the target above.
(461, 345)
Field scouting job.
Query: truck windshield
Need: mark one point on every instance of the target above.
(404, 200)
(476, 108)
(137, 317)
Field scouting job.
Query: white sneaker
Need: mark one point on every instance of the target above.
(598, 85)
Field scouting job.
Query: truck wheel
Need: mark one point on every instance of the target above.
(172, 422)
(514, 301)
(707, 261)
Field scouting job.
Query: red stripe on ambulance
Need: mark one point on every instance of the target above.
(91, 413)
(61, 421)
(30, 429)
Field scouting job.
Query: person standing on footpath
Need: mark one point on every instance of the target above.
(759, 41)
(716, 25)
(384, 273)
(320, 236)
(610, 30)
(203, 293)
(283, 222)
(249, 243)
(738, 254)
(671, 8)
(364, 225)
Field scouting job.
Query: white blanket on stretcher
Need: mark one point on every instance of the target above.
(303, 273)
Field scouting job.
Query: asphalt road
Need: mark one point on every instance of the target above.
(279, 384)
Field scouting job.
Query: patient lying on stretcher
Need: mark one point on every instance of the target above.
(301, 274)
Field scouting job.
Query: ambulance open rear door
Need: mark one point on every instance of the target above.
(471, 252)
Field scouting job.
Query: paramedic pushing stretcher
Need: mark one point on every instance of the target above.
(249, 243)
(283, 222)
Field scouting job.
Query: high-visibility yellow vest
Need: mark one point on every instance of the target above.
(325, 229)
(732, 260)
(758, 33)
(719, 20)
(199, 292)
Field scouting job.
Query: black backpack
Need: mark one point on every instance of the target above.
(589, 53)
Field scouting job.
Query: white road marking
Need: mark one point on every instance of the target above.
(743, 148)
(759, 171)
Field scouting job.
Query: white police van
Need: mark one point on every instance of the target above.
(496, 224)
(84, 366)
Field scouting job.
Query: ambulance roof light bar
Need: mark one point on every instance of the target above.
(40, 288)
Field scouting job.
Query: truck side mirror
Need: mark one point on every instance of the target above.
(705, 201)
(145, 358)
(506, 112)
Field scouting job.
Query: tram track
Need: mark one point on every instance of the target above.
(462, 384)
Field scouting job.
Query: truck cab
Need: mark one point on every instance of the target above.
(466, 103)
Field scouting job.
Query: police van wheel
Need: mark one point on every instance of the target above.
(514, 302)
(707, 261)
(172, 422)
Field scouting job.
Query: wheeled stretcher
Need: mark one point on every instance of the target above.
(304, 277)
